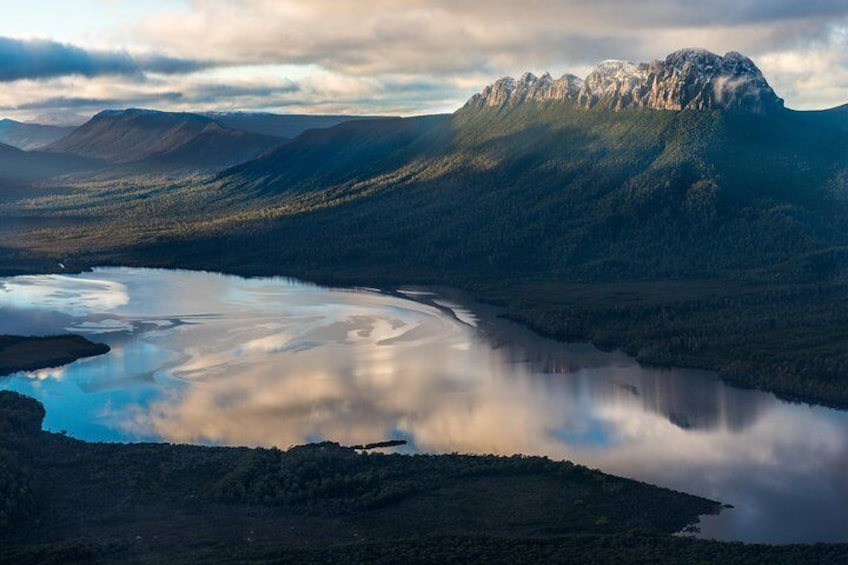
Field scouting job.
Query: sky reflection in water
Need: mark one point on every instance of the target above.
(206, 358)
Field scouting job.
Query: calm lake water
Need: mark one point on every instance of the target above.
(213, 359)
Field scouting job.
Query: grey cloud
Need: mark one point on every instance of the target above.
(734, 12)
(456, 37)
(169, 65)
(613, 13)
(42, 59)
(221, 92)
(82, 102)
(424, 55)
(214, 94)
(64, 102)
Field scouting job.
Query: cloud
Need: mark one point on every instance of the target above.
(415, 56)
(463, 40)
(156, 63)
(449, 36)
(80, 102)
(319, 93)
(41, 59)
(215, 93)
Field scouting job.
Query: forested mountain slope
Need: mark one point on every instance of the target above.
(18, 167)
(280, 125)
(546, 188)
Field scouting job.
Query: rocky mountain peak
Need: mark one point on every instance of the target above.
(509, 92)
(612, 83)
(688, 79)
(697, 79)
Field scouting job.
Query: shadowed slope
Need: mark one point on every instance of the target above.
(31, 136)
(162, 141)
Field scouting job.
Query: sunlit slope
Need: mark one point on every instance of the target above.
(551, 189)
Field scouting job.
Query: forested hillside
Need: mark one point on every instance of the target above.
(712, 239)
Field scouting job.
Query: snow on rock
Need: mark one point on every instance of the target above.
(688, 79)
(614, 84)
(509, 92)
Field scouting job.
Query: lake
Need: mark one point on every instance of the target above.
(213, 359)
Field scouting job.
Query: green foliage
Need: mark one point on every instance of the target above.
(20, 425)
(19, 353)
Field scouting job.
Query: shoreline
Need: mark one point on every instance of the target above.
(27, 353)
(328, 503)
(520, 314)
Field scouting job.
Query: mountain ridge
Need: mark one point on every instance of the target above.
(20, 167)
(282, 125)
(687, 79)
(28, 136)
(162, 141)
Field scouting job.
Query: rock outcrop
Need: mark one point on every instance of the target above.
(689, 79)
(509, 91)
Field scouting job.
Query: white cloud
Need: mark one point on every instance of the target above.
(419, 56)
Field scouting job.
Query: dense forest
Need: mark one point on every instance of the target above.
(20, 353)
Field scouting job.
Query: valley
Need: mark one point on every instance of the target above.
(649, 231)
(675, 213)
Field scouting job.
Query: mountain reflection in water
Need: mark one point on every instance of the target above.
(206, 358)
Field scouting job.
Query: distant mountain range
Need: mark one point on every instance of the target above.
(687, 166)
(158, 142)
(30, 136)
(119, 142)
(19, 167)
(136, 141)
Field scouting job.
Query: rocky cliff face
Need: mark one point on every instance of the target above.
(689, 79)
(510, 92)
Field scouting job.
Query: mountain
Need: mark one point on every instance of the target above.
(693, 79)
(162, 141)
(280, 125)
(553, 188)
(21, 167)
(685, 167)
(674, 209)
(684, 231)
(30, 136)
(321, 158)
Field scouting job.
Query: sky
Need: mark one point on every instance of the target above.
(61, 61)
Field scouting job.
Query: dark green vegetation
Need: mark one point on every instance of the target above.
(706, 239)
(279, 125)
(68, 501)
(19, 167)
(32, 353)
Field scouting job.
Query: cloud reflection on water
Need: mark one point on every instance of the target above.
(273, 362)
